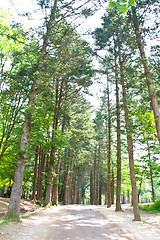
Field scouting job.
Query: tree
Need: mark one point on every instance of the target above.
(13, 210)
(137, 19)
(14, 204)
(130, 146)
(103, 35)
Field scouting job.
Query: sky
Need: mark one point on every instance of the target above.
(20, 6)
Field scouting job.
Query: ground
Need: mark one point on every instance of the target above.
(77, 222)
(25, 207)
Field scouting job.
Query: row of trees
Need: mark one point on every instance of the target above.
(41, 89)
(52, 148)
(123, 38)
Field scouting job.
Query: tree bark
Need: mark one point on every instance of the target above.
(140, 187)
(100, 192)
(49, 177)
(33, 197)
(14, 204)
(112, 187)
(70, 183)
(95, 174)
(98, 175)
(130, 146)
(55, 190)
(118, 189)
(40, 175)
(75, 190)
(109, 151)
(91, 187)
(151, 173)
(78, 197)
(66, 178)
(58, 99)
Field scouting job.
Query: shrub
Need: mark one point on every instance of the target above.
(153, 208)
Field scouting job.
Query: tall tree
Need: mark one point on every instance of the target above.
(118, 188)
(136, 16)
(14, 204)
(103, 35)
(108, 149)
(130, 144)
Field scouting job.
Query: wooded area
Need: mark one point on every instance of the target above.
(54, 148)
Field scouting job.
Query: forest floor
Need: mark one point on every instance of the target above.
(26, 206)
(78, 222)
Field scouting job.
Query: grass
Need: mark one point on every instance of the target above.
(7, 220)
(152, 208)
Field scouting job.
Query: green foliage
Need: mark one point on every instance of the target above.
(60, 139)
(122, 5)
(152, 208)
(40, 203)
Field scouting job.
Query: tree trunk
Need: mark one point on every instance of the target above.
(66, 178)
(14, 204)
(2, 191)
(128, 197)
(98, 175)
(100, 192)
(112, 187)
(33, 197)
(95, 174)
(78, 197)
(70, 183)
(140, 187)
(40, 175)
(55, 190)
(75, 191)
(151, 173)
(58, 98)
(130, 147)
(65, 200)
(109, 152)
(91, 187)
(134, 22)
(118, 189)
(49, 178)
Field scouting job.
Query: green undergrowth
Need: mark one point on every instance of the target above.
(43, 205)
(7, 220)
(40, 203)
(152, 208)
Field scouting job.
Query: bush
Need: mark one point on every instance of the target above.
(153, 208)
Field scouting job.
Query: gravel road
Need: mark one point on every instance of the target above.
(75, 222)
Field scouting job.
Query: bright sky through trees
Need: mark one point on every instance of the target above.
(19, 7)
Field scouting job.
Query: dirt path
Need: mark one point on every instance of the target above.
(78, 223)
(82, 223)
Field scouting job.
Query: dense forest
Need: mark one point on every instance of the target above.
(55, 148)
